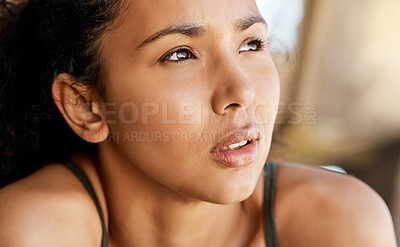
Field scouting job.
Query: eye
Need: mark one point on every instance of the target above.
(178, 55)
(254, 45)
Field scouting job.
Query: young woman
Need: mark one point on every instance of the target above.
(149, 123)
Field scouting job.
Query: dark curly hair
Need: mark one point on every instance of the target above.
(39, 40)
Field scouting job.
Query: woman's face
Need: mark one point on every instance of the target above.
(172, 96)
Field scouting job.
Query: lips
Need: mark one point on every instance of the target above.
(237, 155)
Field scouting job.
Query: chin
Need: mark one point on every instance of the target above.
(234, 188)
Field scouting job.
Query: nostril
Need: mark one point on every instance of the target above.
(234, 105)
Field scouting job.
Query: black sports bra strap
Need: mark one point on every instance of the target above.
(88, 186)
(268, 205)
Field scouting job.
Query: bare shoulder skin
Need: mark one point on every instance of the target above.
(313, 207)
(316, 207)
(49, 208)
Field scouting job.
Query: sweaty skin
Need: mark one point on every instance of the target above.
(168, 191)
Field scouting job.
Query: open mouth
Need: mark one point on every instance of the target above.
(235, 146)
(238, 148)
(238, 154)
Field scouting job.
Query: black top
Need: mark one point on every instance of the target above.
(88, 186)
(268, 204)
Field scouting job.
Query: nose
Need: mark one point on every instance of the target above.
(232, 88)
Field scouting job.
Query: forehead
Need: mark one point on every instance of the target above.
(145, 17)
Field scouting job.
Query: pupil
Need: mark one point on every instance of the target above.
(253, 46)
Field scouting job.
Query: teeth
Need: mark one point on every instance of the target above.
(234, 146)
(237, 144)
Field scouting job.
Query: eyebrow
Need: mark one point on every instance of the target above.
(241, 25)
(196, 30)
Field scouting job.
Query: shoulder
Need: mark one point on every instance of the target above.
(48, 208)
(317, 207)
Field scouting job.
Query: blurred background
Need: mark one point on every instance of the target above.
(340, 74)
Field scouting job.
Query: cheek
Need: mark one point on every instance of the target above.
(158, 98)
(156, 124)
(267, 93)
(267, 98)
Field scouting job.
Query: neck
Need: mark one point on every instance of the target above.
(143, 212)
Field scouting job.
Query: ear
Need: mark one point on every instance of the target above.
(79, 110)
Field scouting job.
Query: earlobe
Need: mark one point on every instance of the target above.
(79, 110)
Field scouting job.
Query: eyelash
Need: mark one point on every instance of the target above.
(261, 44)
